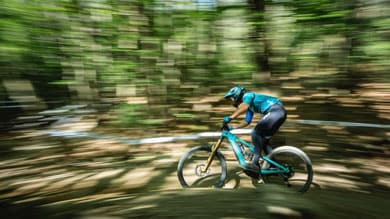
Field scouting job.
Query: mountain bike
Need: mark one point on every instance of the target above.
(205, 166)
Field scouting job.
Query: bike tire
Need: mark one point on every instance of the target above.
(193, 160)
(302, 172)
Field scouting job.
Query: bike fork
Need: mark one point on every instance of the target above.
(214, 149)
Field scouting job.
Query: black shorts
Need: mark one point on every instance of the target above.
(269, 124)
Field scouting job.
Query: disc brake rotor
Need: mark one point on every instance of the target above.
(199, 172)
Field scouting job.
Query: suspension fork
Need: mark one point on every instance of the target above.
(214, 150)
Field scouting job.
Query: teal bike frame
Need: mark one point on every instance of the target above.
(236, 143)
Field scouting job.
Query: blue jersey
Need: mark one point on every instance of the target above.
(258, 103)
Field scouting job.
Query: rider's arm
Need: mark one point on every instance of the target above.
(242, 108)
(247, 121)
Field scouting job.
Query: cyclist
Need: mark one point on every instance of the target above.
(274, 115)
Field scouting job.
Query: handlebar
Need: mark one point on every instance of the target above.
(225, 127)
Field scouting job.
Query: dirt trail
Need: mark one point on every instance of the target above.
(82, 178)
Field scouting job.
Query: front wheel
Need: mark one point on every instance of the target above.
(300, 168)
(189, 169)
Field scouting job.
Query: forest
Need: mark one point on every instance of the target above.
(88, 88)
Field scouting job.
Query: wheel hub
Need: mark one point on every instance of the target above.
(290, 172)
(199, 170)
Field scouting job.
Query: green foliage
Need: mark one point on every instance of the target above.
(100, 44)
(130, 115)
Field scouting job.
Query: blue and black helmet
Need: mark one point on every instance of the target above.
(236, 93)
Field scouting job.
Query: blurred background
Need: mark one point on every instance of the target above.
(85, 83)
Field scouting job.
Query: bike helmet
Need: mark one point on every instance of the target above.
(236, 93)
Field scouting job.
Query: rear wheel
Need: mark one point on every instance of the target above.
(191, 164)
(300, 175)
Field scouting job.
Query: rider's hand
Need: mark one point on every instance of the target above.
(226, 119)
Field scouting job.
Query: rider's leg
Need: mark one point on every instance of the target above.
(252, 169)
(258, 138)
(257, 142)
(267, 148)
(265, 129)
